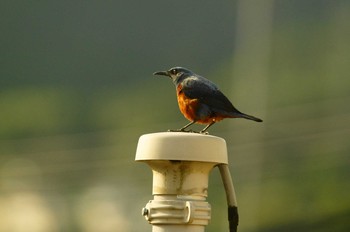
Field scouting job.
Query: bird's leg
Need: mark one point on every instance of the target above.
(187, 125)
(182, 129)
(206, 128)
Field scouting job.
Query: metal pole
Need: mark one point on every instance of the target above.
(181, 163)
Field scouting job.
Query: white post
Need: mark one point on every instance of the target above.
(181, 163)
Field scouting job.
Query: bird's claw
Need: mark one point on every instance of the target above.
(189, 131)
(182, 130)
(204, 132)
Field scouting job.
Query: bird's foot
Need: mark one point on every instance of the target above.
(183, 130)
(189, 131)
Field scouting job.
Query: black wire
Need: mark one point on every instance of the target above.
(230, 197)
(233, 218)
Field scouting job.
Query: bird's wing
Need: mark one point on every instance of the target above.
(209, 94)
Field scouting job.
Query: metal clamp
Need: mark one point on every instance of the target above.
(177, 212)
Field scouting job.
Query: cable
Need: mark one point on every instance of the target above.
(230, 196)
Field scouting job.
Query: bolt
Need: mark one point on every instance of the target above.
(144, 211)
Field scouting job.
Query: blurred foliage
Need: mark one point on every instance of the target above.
(76, 92)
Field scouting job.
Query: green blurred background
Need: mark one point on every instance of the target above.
(77, 91)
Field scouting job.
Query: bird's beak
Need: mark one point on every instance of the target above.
(163, 73)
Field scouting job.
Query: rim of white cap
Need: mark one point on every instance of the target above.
(181, 146)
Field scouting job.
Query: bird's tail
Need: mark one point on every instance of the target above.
(246, 116)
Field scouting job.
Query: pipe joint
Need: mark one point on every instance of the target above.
(177, 212)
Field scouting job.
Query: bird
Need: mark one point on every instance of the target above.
(200, 100)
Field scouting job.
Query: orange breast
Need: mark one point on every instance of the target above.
(188, 107)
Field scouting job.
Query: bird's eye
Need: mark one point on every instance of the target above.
(174, 71)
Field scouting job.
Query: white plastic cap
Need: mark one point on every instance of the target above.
(181, 146)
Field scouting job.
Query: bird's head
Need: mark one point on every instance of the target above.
(177, 74)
